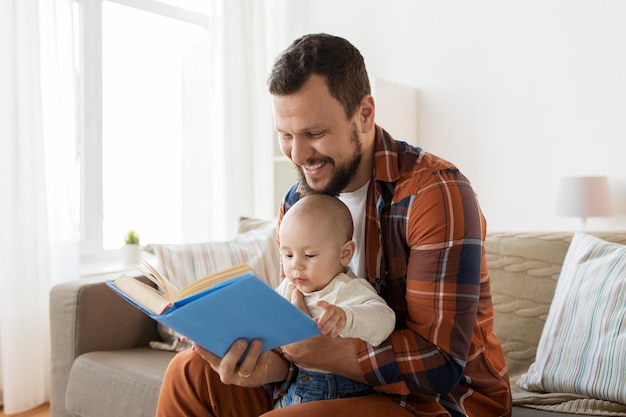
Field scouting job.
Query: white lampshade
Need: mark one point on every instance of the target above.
(584, 197)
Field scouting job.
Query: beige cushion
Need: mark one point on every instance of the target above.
(116, 383)
(524, 269)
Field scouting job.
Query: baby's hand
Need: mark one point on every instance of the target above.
(332, 320)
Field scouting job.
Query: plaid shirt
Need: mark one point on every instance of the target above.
(424, 255)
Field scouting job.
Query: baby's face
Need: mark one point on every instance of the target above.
(311, 254)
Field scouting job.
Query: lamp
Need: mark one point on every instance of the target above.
(584, 197)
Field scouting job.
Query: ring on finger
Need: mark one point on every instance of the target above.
(242, 375)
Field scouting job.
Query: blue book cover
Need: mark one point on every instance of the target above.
(241, 307)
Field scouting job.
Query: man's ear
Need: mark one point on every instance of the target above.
(347, 251)
(367, 111)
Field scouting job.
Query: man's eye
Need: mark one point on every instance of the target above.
(285, 136)
(315, 134)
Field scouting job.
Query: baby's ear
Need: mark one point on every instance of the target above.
(347, 251)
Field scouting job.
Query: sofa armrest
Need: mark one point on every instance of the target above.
(86, 316)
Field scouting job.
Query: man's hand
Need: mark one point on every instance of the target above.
(336, 355)
(254, 370)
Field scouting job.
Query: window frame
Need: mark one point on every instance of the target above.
(90, 110)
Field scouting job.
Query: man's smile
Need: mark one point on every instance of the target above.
(313, 167)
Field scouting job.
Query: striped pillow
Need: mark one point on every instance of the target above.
(582, 349)
(184, 263)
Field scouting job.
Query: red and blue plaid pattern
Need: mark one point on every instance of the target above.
(425, 256)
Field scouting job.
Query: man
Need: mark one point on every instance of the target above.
(420, 235)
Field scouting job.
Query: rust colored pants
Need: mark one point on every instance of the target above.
(192, 389)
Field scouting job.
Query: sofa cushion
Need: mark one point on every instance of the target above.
(583, 343)
(537, 412)
(524, 269)
(116, 383)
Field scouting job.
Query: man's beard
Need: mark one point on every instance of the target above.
(342, 174)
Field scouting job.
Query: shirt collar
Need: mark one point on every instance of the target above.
(385, 157)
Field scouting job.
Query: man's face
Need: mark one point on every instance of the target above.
(314, 133)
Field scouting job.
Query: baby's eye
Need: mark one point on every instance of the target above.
(310, 256)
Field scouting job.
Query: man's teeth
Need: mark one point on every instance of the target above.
(314, 167)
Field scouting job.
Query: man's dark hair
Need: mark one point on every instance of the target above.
(331, 56)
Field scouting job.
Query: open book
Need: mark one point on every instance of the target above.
(216, 310)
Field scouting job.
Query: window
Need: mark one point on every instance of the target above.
(143, 70)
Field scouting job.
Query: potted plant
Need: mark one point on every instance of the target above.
(131, 250)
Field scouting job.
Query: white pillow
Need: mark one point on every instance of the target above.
(582, 349)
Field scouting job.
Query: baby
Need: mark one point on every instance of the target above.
(316, 247)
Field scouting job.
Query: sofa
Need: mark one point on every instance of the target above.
(103, 365)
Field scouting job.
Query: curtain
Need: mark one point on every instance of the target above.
(39, 165)
(37, 233)
(241, 121)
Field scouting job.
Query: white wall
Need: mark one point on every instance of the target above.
(516, 93)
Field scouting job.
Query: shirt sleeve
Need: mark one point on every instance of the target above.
(444, 233)
(368, 317)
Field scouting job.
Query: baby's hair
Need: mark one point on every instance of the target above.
(326, 208)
